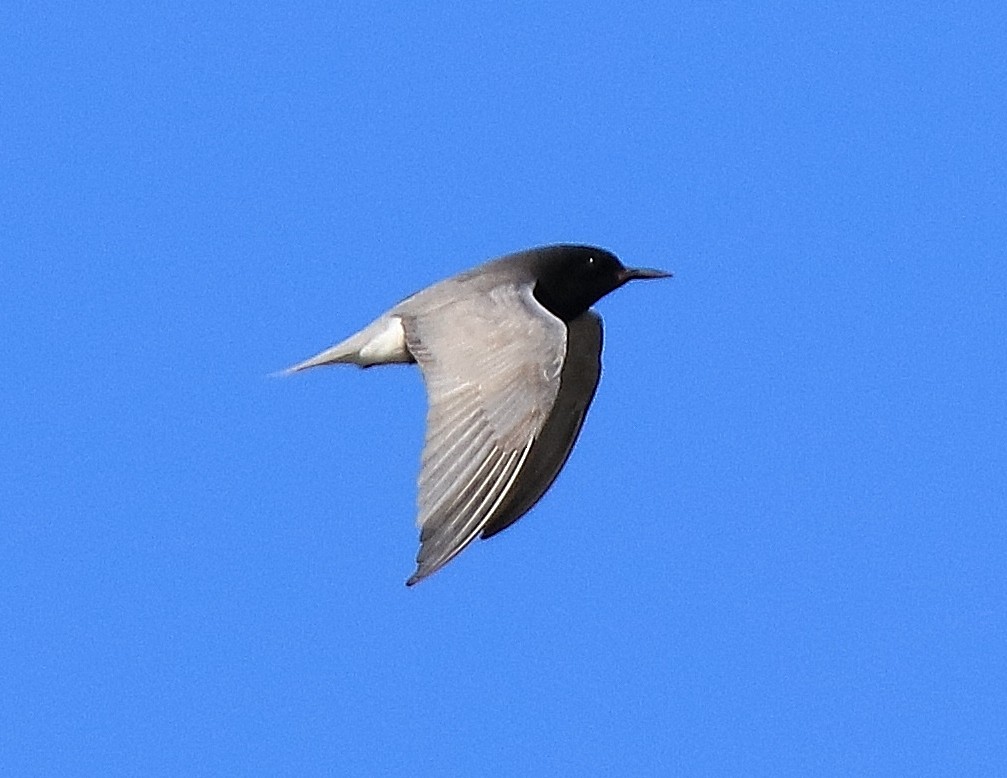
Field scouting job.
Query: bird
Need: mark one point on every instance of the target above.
(510, 353)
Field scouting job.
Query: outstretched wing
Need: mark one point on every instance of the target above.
(492, 364)
(549, 452)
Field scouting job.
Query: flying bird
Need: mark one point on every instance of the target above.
(510, 353)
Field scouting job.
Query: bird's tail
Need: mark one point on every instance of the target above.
(382, 342)
(344, 352)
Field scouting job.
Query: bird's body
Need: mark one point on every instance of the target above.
(511, 355)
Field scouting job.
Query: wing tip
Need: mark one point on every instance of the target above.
(427, 568)
(418, 576)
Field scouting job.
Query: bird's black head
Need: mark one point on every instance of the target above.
(571, 278)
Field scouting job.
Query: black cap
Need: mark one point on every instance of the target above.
(572, 278)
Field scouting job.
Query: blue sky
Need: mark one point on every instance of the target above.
(779, 546)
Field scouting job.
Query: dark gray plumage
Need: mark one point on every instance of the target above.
(511, 354)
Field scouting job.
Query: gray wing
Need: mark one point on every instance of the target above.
(492, 363)
(549, 452)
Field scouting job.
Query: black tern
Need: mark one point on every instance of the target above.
(510, 353)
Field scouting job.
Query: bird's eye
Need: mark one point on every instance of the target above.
(590, 262)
